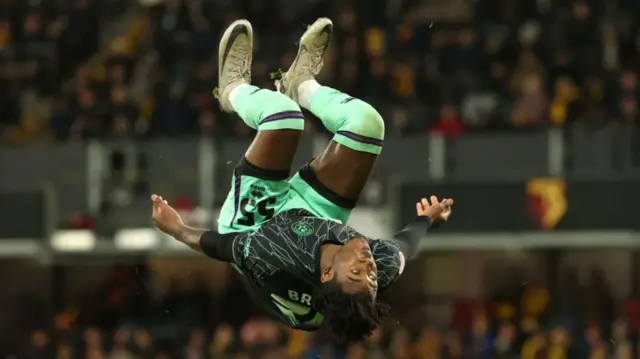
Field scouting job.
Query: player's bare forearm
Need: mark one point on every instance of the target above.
(191, 237)
(211, 243)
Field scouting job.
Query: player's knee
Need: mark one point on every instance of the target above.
(281, 113)
(285, 103)
(368, 123)
(362, 129)
(375, 124)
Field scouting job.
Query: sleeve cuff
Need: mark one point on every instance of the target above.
(218, 246)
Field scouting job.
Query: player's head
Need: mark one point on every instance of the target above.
(347, 295)
(353, 268)
(349, 316)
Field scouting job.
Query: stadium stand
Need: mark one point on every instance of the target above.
(77, 71)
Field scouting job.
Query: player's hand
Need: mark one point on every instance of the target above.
(436, 210)
(165, 217)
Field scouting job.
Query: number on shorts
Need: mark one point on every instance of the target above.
(248, 218)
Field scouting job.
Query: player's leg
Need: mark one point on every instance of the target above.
(259, 186)
(278, 119)
(341, 172)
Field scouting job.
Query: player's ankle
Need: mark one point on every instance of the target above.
(306, 89)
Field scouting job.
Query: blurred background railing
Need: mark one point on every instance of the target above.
(109, 182)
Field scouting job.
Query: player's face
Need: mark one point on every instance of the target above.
(355, 268)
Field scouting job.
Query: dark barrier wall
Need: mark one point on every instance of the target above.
(480, 170)
(543, 204)
(480, 207)
(22, 215)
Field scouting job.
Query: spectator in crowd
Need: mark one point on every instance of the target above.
(494, 331)
(143, 344)
(450, 124)
(518, 68)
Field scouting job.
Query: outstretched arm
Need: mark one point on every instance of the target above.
(211, 243)
(408, 239)
(191, 237)
(390, 254)
(429, 215)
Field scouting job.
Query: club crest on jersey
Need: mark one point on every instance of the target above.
(302, 229)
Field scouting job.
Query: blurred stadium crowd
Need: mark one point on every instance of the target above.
(126, 317)
(73, 69)
(78, 69)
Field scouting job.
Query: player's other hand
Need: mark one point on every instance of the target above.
(165, 217)
(436, 210)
